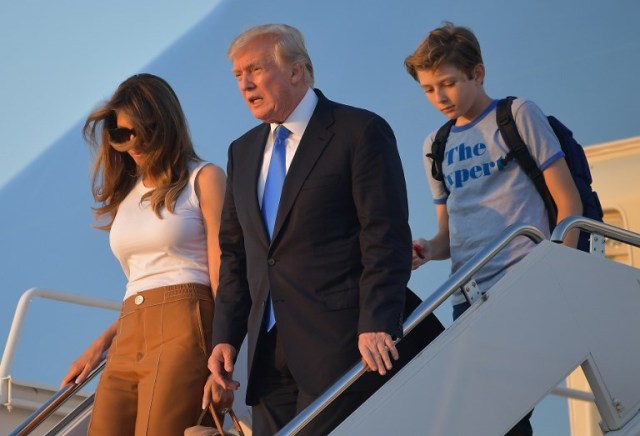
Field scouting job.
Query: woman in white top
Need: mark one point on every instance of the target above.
(161, 205)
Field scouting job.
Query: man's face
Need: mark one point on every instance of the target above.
(450, 90)
(268, 89)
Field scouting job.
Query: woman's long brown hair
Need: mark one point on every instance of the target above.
(162, 135)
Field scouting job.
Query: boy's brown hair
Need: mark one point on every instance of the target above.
(448, 44)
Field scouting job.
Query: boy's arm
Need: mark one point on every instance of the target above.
(565, 194)
(438, 247)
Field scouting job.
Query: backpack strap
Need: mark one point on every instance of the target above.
(519, 151)
(437, 152)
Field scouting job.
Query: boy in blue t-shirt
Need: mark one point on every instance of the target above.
(483, 195)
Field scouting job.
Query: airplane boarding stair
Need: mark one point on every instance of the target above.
(559, 308)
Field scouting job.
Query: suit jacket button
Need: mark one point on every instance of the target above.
(271, 262)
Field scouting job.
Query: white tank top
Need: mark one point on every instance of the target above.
(158, 252)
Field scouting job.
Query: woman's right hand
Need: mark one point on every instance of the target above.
(91, 358)
(83, 365)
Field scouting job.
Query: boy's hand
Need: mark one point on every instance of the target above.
(420, 253)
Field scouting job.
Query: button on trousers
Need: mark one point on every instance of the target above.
(157, 364)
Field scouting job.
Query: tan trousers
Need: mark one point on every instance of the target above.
(157, 364)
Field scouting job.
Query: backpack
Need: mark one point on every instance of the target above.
(518, 151)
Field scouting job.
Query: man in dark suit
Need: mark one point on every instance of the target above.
(334, 267)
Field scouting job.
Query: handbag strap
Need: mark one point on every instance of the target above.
(216, 419)
(218, 422)
(236, 422)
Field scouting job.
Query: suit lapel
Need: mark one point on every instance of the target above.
(249, 179)
(313, 142)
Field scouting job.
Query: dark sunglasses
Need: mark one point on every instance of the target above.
(120, 135)
(117, 135)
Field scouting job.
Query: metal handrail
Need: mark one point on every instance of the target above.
(75, 413)
(455, 282)
(594, 227)
(573, 394)
(54, 402)
(8, 357)
(21, 314)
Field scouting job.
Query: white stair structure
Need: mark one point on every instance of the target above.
(558, 309)
(27, 396)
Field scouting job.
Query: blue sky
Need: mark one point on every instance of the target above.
(578, 60)
(59, 58)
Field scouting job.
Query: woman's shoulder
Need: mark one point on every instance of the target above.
(207, 168)
(208, 173)
(210, 182)
(197, 167)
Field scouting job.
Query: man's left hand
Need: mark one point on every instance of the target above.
(376, 349)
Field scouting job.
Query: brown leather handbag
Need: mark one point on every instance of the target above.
(203, 430)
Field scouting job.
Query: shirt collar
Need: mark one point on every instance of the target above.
(297, 121)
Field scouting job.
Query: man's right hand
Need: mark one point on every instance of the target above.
(221, 366)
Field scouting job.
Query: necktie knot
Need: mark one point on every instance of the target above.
(281, 134)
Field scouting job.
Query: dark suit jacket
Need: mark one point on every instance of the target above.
(340, 257)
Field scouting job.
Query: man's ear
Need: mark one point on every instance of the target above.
(297, 73)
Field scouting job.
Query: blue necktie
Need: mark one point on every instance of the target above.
(271, 196)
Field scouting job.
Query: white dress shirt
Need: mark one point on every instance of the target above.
(296, 123)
